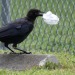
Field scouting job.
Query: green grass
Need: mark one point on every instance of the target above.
(66, 66)
(39, 72)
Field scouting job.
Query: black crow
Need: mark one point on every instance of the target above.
(15, 32)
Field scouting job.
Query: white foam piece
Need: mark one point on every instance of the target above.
(50, 18)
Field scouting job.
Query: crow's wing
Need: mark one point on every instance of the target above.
(14, 29)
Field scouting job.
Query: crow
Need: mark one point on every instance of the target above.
(17, 31)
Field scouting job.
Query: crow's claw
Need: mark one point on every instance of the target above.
(23, 52)
(26, 52)
(12, 53)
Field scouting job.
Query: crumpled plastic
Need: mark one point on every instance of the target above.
(50, 18)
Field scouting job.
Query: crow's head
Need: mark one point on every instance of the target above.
(33, 13)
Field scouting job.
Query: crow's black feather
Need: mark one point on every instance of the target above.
(15, 32)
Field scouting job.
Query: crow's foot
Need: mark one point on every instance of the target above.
(12, 53)
(24, 52)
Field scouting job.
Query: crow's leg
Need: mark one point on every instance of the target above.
(15, 47)
(6, 45)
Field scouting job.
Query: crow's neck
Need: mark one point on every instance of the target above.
(32, 19)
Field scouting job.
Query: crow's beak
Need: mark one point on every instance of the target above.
(41, 13)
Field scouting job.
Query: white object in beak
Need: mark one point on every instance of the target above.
(50, 18)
